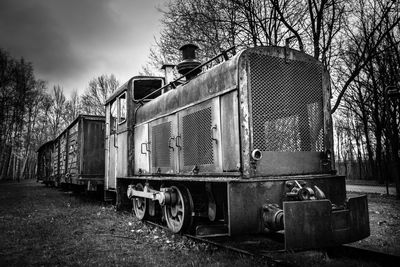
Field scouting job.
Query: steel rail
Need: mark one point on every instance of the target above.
(368, 255)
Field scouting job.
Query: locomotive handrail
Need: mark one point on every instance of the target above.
(172, 84)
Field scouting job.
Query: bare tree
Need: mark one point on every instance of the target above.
(73, 107)
(56, 111)
(100, 88)
(371, 22)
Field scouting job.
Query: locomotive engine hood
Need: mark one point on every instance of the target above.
(283, 101)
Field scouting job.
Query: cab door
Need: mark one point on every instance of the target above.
(121, 161)
(111, 145)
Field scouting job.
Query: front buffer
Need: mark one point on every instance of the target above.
(314, 223)
(313, 213)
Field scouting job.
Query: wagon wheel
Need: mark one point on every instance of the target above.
(179, 214)
(139, 204)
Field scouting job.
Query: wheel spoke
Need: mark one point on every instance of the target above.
(179, 210)
(178, 216)
(139, 204)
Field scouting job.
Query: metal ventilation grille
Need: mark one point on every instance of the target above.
(161, 154)
(287, 106)
(197, 142)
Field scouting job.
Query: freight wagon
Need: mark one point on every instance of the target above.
(76, 156)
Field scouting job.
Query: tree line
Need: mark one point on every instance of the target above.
(32, 114)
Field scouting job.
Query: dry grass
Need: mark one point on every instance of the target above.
(40, 226)
(45, 227)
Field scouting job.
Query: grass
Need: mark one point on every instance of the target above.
(42, 226)
(46, 227)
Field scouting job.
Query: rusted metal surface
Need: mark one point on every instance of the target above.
(245, 130)
(200, 131)
(285, 111)
(44, 162)
(92, 147)
(313, 224)
(328, 126)
(78, 152)
(142, 148)
(307, 224)
(246, 199)
(359, 218)
(222, 78)
(164, 152)
(230, 132)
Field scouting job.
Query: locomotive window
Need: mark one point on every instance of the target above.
(122, 108)
(113, 117)
(142, 88)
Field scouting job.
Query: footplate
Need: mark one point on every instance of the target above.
(313, 224)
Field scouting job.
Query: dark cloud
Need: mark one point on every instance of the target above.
(70, 42)
(28, 30)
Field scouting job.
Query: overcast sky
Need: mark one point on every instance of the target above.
(70, 42)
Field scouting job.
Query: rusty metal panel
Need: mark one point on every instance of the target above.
(200, 134)
(284, 113)
(142, 149)
(286, 98)
(285, 163)
(164, 156)
(196, 135)
(245, 204)
(109, 152)
(359, 217)
(328, 126)
(63, 153)
(73, 151)
(55, 158)
(92, 158)
(245, 129)
(160, 142)
(307, 224)
(221, 78)
(112, 167)
(122, 154)
(230, 132)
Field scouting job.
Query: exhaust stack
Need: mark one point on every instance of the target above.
(189, 61)
(168, 76)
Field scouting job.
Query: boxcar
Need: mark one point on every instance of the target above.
(77, 154)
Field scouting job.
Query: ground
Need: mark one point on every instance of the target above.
(47, 227)
(384, 216)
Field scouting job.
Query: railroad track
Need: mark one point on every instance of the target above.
(366, 255)
(271, 249)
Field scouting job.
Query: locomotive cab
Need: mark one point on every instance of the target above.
(120, 107)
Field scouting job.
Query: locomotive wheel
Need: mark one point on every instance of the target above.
(179, 214)
(139, 204)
